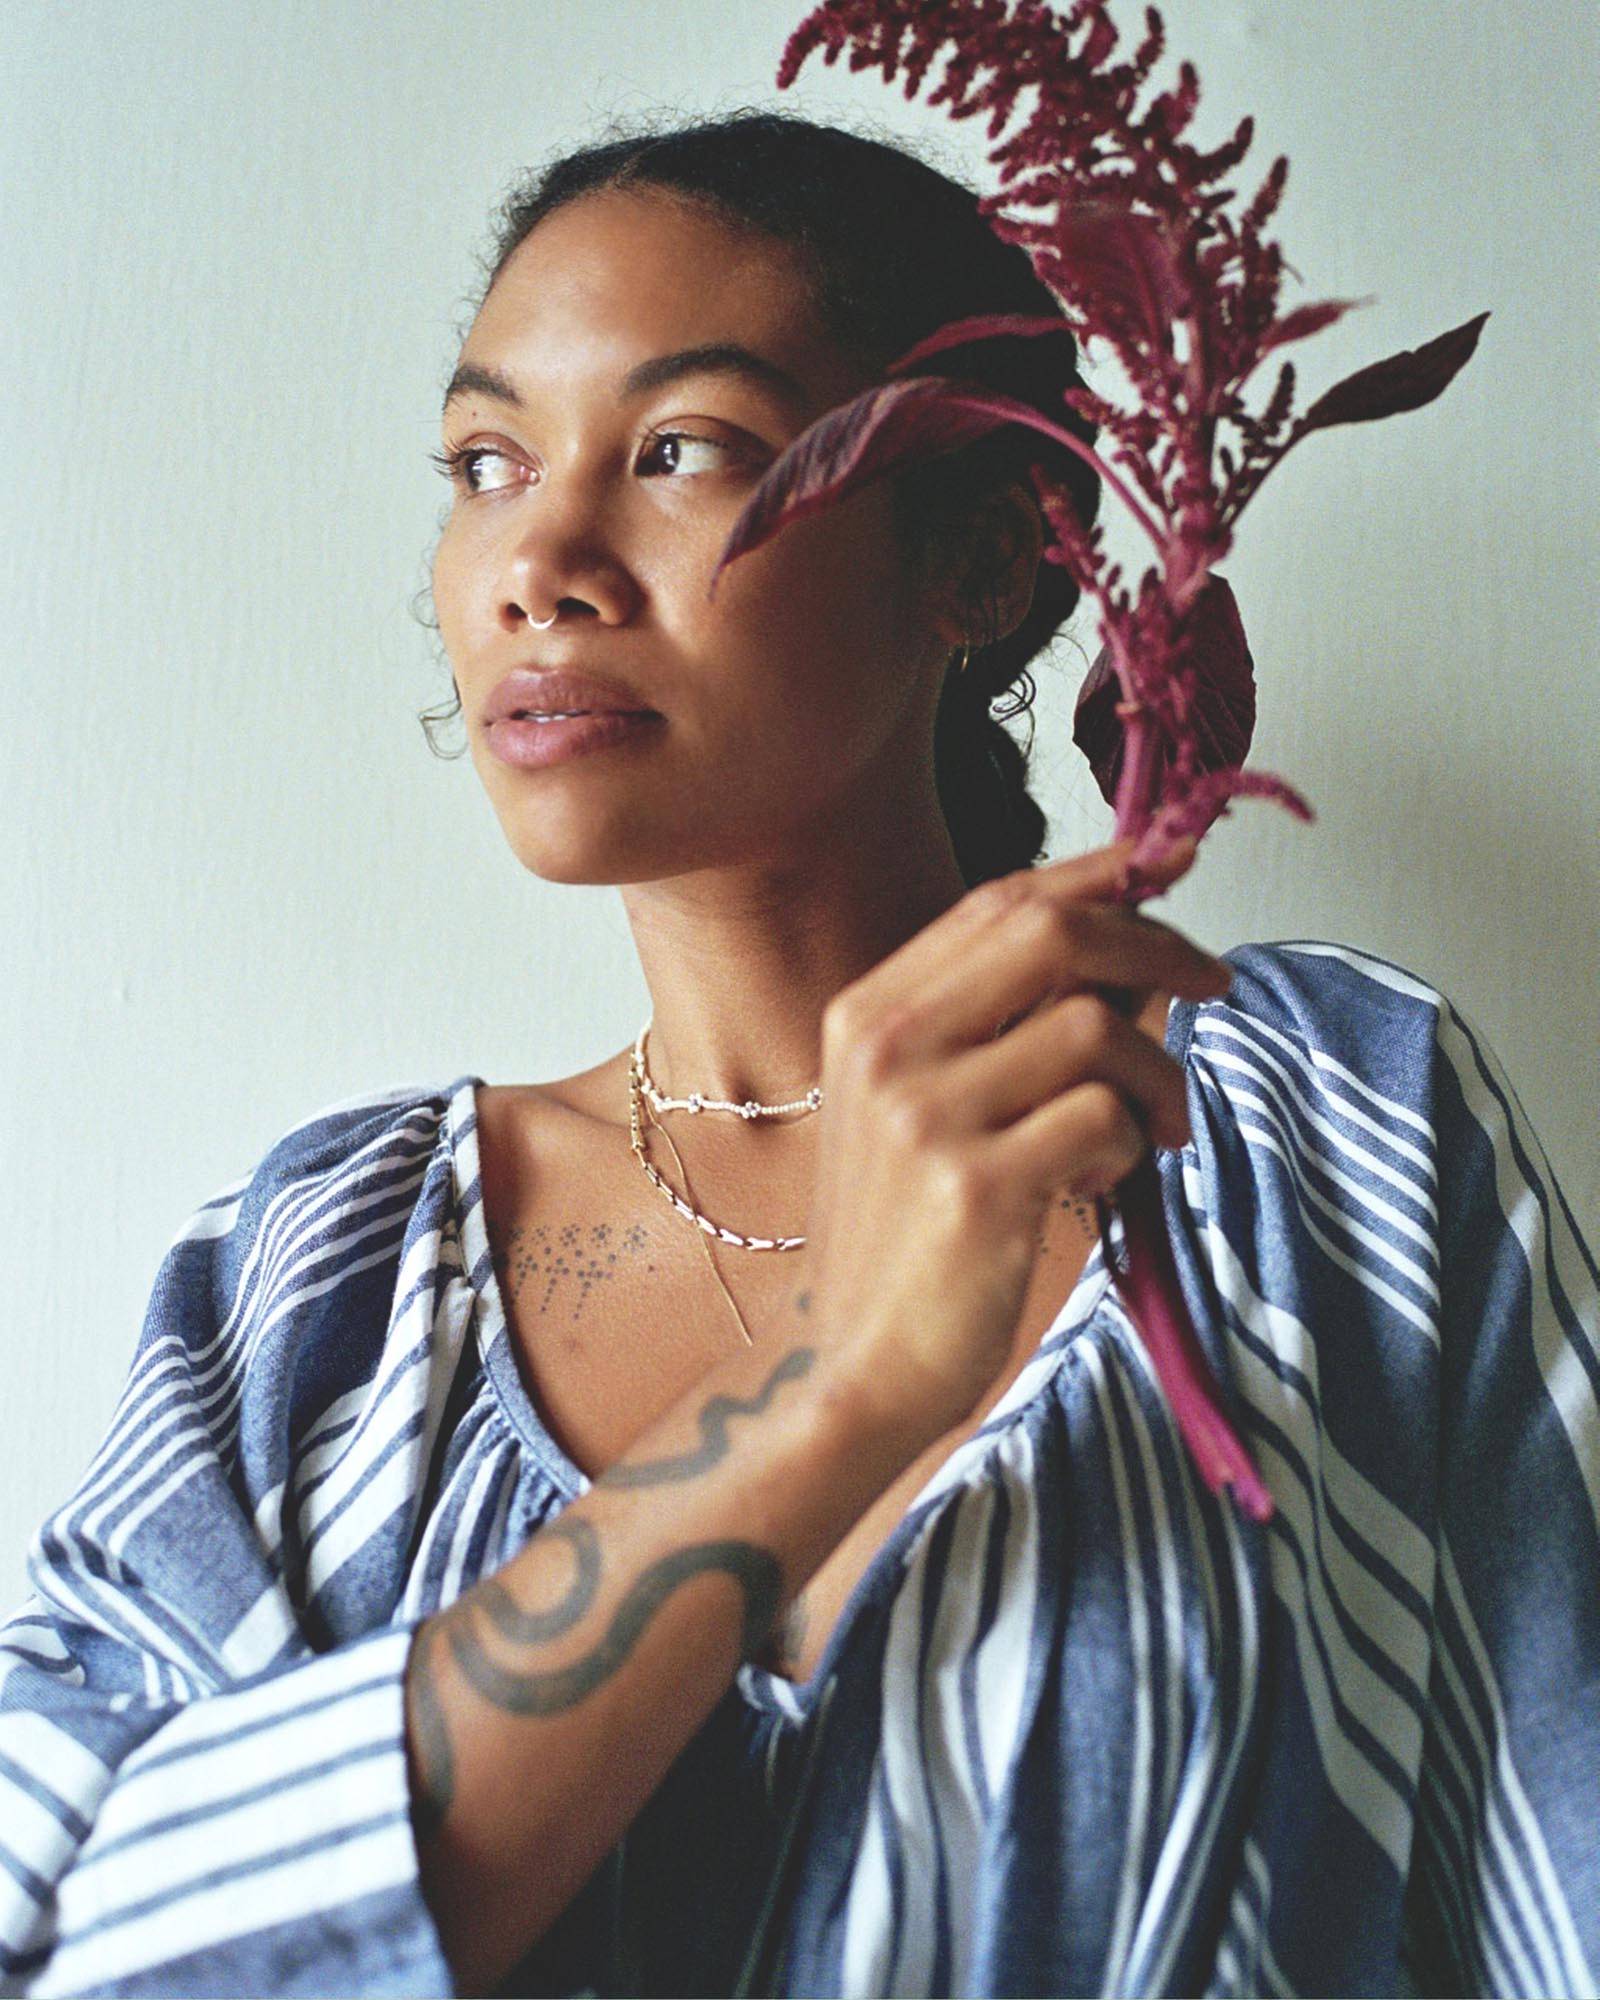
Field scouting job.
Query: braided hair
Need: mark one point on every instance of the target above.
(893, 248)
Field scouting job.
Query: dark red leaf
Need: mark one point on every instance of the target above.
(1223, 718)
(1405, 381)
(1096, 727)
(882, 429)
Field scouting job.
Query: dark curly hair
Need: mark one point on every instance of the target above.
(892, 248)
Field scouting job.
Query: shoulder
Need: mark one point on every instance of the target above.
(1318, 1095)
(327, 1141)
(1354, 1008)
(1364, 1035)
(316, 1207)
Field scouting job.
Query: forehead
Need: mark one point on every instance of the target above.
(614, 278)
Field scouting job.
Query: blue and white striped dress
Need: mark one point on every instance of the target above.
(1082, 1729)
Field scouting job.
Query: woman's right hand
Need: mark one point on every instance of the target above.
(939, 1146)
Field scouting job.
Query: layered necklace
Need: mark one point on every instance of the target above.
(643, 1092)
(642, 1089)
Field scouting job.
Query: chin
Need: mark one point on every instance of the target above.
(588, 854)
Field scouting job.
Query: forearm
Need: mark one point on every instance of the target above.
(548, 1702)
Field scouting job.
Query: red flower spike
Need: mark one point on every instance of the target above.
(1305, 320)
(1141, 241)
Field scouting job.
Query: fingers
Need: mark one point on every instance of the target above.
(906, 973)
(1076, 1042)
(1040, 953)
(1086, 1140)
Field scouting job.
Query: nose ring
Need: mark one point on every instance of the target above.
(543, 625)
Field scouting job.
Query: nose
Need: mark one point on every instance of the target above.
(559, 559)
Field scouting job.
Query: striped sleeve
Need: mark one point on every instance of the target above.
(200, 1792)
(1504, 1893)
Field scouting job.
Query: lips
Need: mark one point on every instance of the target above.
(558, 691)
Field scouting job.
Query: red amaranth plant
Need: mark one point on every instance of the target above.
(1145, 257)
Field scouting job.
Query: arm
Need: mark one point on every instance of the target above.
(194, 1800)
(193, 1797)
(546, 1704)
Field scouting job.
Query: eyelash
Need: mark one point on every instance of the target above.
(454, 464)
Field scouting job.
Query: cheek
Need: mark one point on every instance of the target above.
(827, 597)
(445, 577)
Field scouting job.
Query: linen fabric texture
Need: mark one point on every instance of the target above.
(1084, 1728)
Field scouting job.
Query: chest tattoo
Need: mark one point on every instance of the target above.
(568, 1263)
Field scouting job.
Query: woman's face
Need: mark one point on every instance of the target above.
(807, 687)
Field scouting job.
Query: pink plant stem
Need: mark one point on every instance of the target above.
(1118, 485)
(1147, 1281)
(1142, 758)
(1149, 1288)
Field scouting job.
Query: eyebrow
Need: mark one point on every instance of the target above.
(721, 357)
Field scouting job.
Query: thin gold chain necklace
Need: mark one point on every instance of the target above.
(704, 1242)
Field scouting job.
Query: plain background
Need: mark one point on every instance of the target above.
(238, 248)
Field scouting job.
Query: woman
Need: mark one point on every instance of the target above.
(517, 1564)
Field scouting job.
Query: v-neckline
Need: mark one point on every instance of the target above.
(760, 1687)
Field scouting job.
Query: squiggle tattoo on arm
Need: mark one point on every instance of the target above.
(531, 1691)
(713, 1420)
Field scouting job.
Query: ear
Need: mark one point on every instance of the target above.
(994, 557)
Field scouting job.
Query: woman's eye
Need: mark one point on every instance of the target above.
(460, 466)
(465, 465)
(677, 438)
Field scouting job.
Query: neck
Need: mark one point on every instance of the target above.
(741, 962)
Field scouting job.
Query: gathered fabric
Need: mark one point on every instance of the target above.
(1082, 1727)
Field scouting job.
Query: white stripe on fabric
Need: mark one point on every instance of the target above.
(1393, 1625)
(1374, 1516)
(1284, 1140)
(389, 1487)
(1001, 1668)
(1194, 1817)
(1314, 1065)
(1540, 1902)
(261, 1634)
(1369, 1793)
(1172, 1604)
(1544, 1230)
(1475, 1862)
(900, 1752)
(93, 1604)
(948, 1775)
(1256, 1861)
(486, 1477)
(1363, 1273)
(291, 1755)
(1378, 970)
(114, 1538)
(1361, 1195)
(330, 1878)
(215, 1219)
(273, 1703)
(34, 1833)
(868, 1917)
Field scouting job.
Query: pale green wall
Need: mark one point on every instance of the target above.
(236, 248)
